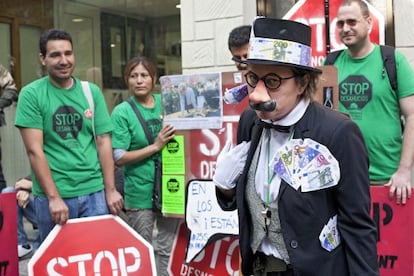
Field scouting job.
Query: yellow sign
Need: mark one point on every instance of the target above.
(173, 177)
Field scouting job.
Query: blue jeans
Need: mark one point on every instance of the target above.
(29, 213)
(81, 206)
(143, 221)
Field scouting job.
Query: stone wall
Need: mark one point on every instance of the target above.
(205, 26)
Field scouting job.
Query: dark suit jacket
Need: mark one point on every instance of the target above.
(249, 118)
(304, 214)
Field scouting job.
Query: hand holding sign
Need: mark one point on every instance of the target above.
(205, 218)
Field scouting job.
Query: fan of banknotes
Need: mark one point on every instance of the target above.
(307, 164)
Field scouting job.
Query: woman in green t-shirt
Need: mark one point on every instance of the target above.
(136, 155)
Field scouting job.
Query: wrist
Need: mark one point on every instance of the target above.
(23, 189)
(224, 185)
(155, 148)
(110, 188)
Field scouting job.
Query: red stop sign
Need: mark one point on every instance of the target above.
(311, 12)
(101, 245)
(219, 258)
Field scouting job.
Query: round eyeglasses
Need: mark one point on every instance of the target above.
(271, 80)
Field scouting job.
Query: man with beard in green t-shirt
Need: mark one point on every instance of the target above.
(68, 141)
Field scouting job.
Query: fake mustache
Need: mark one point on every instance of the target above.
(268, 106)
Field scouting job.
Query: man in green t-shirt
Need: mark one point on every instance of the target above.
(367, 96)
(68, 141)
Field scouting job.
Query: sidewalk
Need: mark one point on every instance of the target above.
(23, 266)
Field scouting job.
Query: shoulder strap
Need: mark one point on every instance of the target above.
(331, 57)
(88, 95)
(390, 66)
(142, 121)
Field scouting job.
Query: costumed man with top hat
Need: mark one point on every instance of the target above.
(301, 182)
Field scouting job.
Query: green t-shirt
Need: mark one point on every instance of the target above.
(366, 95)
(68, 140)
(128, 134)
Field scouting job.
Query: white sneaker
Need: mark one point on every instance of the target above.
(24, 250)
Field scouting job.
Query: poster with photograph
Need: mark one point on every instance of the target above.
(192, 101)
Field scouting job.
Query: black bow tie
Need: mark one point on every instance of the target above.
(279, 128)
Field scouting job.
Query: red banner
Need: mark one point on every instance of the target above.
(9, 264)
(395, 225)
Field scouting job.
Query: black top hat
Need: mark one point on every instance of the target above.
(280, 42)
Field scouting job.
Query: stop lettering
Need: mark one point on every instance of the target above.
(217, 258)
(102, 245)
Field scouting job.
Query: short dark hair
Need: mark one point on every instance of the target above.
(52, 34)
(239, 36)
(362, 5)
(134, 62)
